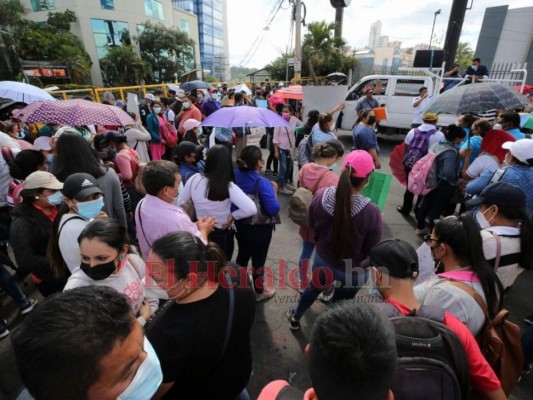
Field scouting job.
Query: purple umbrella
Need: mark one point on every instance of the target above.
(75, 113)
(244, 116)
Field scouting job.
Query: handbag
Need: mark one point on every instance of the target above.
(292, 150)
(261, 217)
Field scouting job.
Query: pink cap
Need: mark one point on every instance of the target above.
(191, 123)
(360, 161)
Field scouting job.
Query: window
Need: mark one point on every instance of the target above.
(185, 26)
(154, 9)
(186, 5)
(379, 87)
(408, 87)
(107, 4)
(43, 5)
(109, 34)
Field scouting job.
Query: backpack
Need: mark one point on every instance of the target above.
(423, 176)
(432, 361)
(168, 134)
(301, 150)
(300, 201)
(418, 147)
(499, 342)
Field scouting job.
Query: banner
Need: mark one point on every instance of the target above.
(45, 69)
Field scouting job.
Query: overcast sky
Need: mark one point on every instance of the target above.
(409, 21)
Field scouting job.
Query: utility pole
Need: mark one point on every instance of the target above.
(453, 33)
(298, 41)
(339, 6)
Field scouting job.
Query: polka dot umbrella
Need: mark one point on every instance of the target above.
(75, 112)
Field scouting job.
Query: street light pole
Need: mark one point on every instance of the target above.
(431, 38)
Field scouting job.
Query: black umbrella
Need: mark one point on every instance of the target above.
(476, 98)
(192, 85)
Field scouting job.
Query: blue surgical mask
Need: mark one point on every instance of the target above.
(55, 199)
(147, 378)
(333, 167)
(90, 209)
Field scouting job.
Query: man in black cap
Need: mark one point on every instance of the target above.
(394, 267)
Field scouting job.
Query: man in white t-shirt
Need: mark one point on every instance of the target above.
(420, 104)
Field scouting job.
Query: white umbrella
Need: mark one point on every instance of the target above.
(23, 92)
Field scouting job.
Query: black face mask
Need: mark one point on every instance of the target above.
(371, 120)
(99, 272)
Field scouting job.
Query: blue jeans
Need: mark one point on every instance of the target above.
(283, 174)
(322, 277)
(10, 286)
(305, 259)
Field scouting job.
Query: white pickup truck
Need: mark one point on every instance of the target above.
(396, 94)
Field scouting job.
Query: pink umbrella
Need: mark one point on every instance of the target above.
(75, 112)
(292, 92)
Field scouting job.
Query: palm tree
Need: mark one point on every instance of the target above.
(464, 55)
(320, 46)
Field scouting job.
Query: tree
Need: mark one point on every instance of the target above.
(61, 21)
(167, 50)
(122, 66)
(464, 55)
(11, 22)
(278, 68)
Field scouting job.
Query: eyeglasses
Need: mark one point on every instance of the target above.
(428, 238)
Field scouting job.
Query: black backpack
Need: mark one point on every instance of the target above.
(432, 361)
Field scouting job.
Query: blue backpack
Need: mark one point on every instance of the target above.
(418, 147)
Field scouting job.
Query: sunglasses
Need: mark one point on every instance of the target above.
(428, 238)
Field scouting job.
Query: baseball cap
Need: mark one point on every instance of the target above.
(522, 150)
(396, 257)
(79, 186)
(191, 123)
(149, 96)
(42, 180)
(185, 148)
(115, 137)
(42, 143)
(430, 117)
(360, 161)
(503, 194)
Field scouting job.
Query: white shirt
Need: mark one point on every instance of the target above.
(420, 109)
(485, 162)
(435, 138)
(70, 227)
(196, 189)
(136, 138)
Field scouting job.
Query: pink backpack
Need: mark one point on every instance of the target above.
(423, 177)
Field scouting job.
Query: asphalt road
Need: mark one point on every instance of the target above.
(278, 351)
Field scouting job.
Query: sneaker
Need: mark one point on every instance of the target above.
(294, 324)
(3, 328)
(326, 296)
(424, 231)
(27, 306)
(529, 319)
(267, 294)
(290, 187)
(402, 211)
(285, 190)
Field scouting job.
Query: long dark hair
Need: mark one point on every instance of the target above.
(25, 162)
(186, 251)
(364, 115)
(462, 235)
(526, 233)
(343, 211)
(53, 252)
(312, 119)
(323, 120)
(219, 173)
(74, 154)
(249, 158)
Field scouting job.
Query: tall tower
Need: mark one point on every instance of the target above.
(375, 33)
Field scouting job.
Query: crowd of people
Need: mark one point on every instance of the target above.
(130, 239)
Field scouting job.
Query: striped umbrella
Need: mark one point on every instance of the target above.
(75, 112)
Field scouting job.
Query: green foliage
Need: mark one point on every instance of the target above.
(167, 50)
(239, 73)
(464, 56)
(60, 21)
(211, 79)
(278, 68)
(11, 22)
(122, 66)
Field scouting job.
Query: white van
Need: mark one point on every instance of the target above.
(395, 93)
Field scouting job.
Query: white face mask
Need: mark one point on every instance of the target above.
(482, 221)
(172, 287)
(147, 378)
(186, 105)
(497, 126)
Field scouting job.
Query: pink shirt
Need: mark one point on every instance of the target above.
(309, 174)
(285, 137)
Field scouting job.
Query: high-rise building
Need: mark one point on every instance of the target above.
(105, 23)
(213, 34)
(375, 33)
(382, 42)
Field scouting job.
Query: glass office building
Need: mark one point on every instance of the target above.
(212, 31)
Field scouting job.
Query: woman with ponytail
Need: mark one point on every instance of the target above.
(192, 336)
(347, 226)
(456, 244)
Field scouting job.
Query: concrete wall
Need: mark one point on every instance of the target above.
(130, 11)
